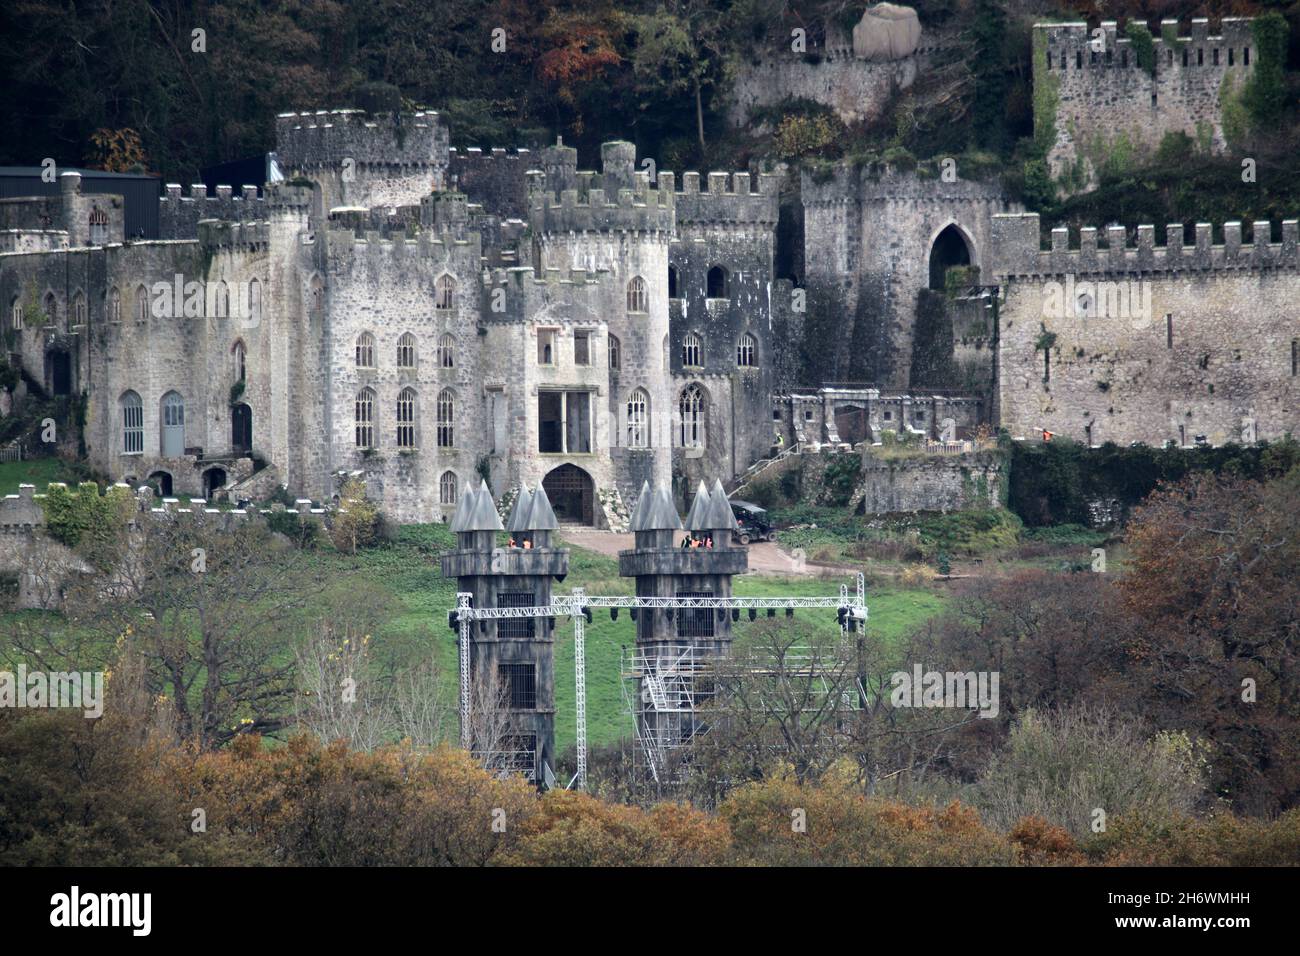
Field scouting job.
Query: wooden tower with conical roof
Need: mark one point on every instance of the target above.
(512, 660)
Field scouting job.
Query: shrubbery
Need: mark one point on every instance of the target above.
(88, 521)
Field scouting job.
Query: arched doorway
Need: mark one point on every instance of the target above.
(572, 494)
(162, 483)
(214, 479)
(241, 428)
(950, 249)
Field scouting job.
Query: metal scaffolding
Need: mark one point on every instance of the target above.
(668, 676)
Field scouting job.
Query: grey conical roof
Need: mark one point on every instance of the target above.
(541, 516)
(697, 517)
(720, 517)
(484, 517)
(659, 514)
(519, 513)
(464, 505)
(642, 502)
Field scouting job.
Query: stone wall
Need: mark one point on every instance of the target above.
(931, 483)
(1149, 343)
(1102, 102)
(873, 229)
(857, 90)
(179, 215)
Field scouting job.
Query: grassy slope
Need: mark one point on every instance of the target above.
(36, 471)
(404, 581)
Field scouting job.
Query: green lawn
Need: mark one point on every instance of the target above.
(36, 471)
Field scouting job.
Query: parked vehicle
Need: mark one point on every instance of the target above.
(752, 522)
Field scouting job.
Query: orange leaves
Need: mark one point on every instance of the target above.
(574, 829)
(1044, 844)
(116, 150)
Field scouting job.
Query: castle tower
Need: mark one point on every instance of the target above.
(722, 350)
(365, 160)
(512, 660)
(612, 227)
(673, 643)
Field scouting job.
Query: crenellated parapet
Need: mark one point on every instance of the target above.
(179, 214)
(725, 198)
(1078, 38)
(328, 137)
(626, 211)
(1017, 249)
(242, 236)
(350, 238)
(24, 513)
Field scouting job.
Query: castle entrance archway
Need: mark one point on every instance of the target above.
(572, 494)
(950, 248)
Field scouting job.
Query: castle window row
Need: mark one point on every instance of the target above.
(408, 356)
(406, 420)
(216, 302)
(690, 430)
(171, 421)
(693, 351)
(1096, 58)
(548, 342)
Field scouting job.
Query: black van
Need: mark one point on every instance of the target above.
(752, 522)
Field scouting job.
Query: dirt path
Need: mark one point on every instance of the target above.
(764, 556)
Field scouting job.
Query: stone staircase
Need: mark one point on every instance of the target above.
(757, 469)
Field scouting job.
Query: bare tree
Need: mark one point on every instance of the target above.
(490, 725)
(340, 697)
(210, 609)
(420, 704)
(783, 700)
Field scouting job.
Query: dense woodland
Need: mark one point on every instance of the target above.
(123, 84)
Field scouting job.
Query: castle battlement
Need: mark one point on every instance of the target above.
(477, 154)
(1017, 249)
(1077, 37)
(287, 195)
(627, 211)
(386, 140)
(23, 513)
(523, 277)
(223, 234)
(726, 197)
(345, 243)
(179, 215)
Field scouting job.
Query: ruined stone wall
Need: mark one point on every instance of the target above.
(1149, 343)
(857, 90)
(1102, 105)
(933, 483)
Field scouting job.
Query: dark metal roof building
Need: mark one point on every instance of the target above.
(140, 192)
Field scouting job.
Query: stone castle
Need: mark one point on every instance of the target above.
(419, 316)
